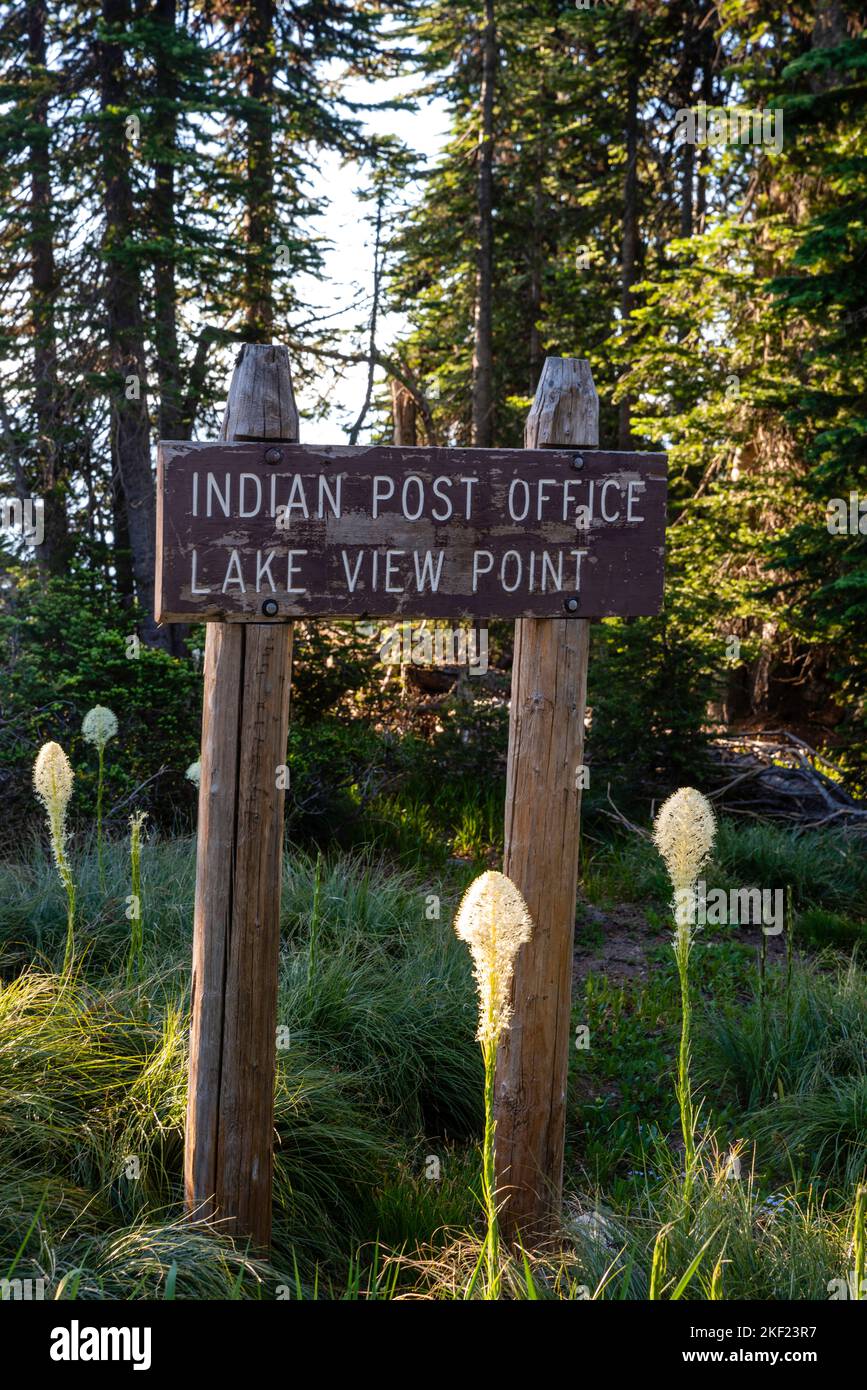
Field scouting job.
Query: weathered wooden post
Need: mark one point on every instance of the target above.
(543, 809)
(236, 932)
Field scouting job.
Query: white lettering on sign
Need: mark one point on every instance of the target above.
(399, 571)
(290, 530)
(292, 496)
(245, 497)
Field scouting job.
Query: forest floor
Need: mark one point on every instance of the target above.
(619, 942)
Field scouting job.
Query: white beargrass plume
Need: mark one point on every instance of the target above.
(495, 922)
(52, 780)
(684, 832)
(194, 773)
(98, 726)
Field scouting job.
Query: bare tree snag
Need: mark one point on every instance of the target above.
(543, 807)
(229, 1135)
(483, 330)
(403, 415)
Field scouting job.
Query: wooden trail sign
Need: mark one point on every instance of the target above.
(256, 530)
(249, 531)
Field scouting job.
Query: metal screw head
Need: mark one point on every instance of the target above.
(578, 461)
(270, 607)
(571, 605)
(273, 455)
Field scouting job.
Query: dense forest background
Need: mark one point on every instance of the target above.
(156, 208)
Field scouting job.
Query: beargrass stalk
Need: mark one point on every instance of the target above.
(99, 725)
(790, 931)
(684, 832)
(494, 921)
(682, 948)
(52, 780)
(135, 960)
(763, 997)
(658, 1264)
(313, 934)
(860, 1240)
(763, 964)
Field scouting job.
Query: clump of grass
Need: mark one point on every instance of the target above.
(739, 1241)
(153, 1259)
(797, 1067)
(819, 927)
(446, 1269)
(430, 1197)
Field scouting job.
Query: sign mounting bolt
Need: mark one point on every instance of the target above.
(273, 455)
(577, 461)
(571, 605)
(270, 607)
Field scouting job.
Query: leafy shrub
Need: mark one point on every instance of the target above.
(648, 692)
(329, 662)
(66, 648)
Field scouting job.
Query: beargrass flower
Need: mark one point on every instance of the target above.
(684, 832)
(495, 922)
(52, 781)
(98, 726)
(193, 773)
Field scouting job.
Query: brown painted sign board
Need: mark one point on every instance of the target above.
(250, 531)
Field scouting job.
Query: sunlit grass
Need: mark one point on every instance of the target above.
(379, 1104)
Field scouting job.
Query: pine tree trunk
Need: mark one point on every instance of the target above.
(163, 207)
(829, 30)
(630, 246)
(403, 416)
(707, 84)
(52, 556)
(483, 356)
(259, 303)
(687, 177)
(536, 264)
(130, 427)
(121, 554)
